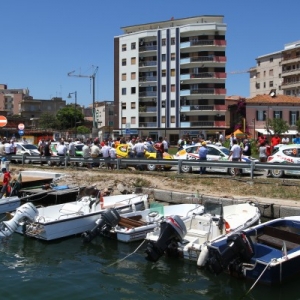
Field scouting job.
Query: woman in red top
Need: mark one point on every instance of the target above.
(6, 189)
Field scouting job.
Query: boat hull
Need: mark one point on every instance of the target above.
(9, 204)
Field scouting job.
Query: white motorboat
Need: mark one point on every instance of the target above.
(62, 220)
(8, 204)
(135, 225)
(188, 238)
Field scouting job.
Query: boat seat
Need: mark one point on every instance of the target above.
(197, 232)
(131, 222)
(274, 237)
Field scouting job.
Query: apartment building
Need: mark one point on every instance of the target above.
(279, 71)
(169, 78)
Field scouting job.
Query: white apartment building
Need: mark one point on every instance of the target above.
(278, 72)
(169, 78)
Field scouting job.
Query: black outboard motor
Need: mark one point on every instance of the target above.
(108, 219)
(172, 229)
(239, 248)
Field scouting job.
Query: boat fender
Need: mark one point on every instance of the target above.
(202, 256)
(227, 227)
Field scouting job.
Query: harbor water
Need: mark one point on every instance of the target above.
(107, 269)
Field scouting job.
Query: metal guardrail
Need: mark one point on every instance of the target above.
(119, 162)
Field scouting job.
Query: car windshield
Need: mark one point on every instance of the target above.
(30, 147)
(78, 147)
(224, 150)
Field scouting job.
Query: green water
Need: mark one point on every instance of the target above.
(68, 269)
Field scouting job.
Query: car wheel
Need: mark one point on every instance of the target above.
(230, 171)
(151, 167)
(277, 173)
(80, 164)
(186, 169)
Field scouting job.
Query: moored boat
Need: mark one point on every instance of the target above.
(62, 220)
(188, 238)
(268, 253)
(135, 225)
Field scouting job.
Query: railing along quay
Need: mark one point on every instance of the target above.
(119, 163)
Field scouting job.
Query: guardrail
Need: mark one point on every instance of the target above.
(119, 162)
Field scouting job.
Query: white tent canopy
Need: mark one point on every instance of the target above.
(265, 132)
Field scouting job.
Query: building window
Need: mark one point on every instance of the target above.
(163, 73)
(133, 120)
(173, 72)
(261, 115)
(133, 75)
(264, 85)
(133, 105)
(163, 57)
(264, 73)
(133, 90)
(124, 47)
(123, 120)
(173, 56)
(271, 72)
(173, 88)
(172, 103)
(271, 59)
(123, 91)
(172, 119)
(124, 62)
(123, 105)
(277, 114)
(133, 46)
(133, 60)
(124, 77)
(173, 41)
(271, 84)
(258, 74)
(163, 103)
(163, 88)
(163, 42)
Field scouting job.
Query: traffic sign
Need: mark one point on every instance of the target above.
(21, 132)
(21, 126)
(3, 121)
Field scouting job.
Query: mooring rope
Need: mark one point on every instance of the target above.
(119, 260)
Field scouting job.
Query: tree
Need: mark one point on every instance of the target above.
(279, 126)
(48, 121)
(68, 115)
(83, 130)
(298, 124)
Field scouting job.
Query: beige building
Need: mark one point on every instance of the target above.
(278, 71)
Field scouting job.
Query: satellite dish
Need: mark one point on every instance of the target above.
(272, 94)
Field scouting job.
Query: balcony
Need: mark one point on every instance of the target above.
(147, 109)
(290, 84)
(205, 77)
(148, 79)
(207, 108)
(204, 45)
(148, 48)
(148, 63)
(147, 124)
(210, 61)
(202, 124)
(148, 94)
(203, 91)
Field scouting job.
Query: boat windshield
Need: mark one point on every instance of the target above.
(213, 208)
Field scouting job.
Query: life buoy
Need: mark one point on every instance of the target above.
(227, 227)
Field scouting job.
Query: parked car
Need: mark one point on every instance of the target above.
(214, 153)
(285, 154)
(28, 149)
(150, 153)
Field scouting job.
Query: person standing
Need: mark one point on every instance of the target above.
(166, 145)
(159, 147)
(236, 154)
(61, 150)
(113, 155)
(247, 148)
(139, 149)
(221, 138)
(203, 156)
(105, 154)
(6, 189)
(285, 140)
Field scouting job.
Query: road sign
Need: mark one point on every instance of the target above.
(3, 121)
(21, 126)
(21, 132)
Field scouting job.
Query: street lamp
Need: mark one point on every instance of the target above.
(75, 108)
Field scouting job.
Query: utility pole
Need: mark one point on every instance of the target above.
(93, 76)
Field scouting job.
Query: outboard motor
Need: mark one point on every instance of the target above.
(172, 229)
(239, 249)
(25, 211)
(108, 219)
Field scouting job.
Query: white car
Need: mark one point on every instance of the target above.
(214, 153)
(285, 154)
(28, 149)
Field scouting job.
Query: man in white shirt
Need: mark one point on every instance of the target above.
(105, 153)
(285, 140)
(166, 144)
(139, 149)
(235, 154)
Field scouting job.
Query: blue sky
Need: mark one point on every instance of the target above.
(42, 40)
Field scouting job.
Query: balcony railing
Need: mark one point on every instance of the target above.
(148, 63)
(203, 43)
(147, 124)
(148, 48)
(211, 58)
(204, 75)
(148, 94)
(147, 78)
(148, 109)
(296, 82)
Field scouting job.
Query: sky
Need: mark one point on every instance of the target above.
(43, 40)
